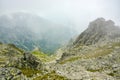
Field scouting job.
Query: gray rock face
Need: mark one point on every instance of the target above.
(11, 74)
(7, 52)
(25, 61)
(98, 30)
(16, 65)
(94, 55)
(12, 56)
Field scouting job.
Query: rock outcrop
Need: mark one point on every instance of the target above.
(11, 74)
(98, 31)
(94, 55)
(14, 62)
(27, 60)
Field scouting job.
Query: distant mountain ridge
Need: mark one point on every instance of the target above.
(28, 31)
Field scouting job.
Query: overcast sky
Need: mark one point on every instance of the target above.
(77, 13)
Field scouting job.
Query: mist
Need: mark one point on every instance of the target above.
(59, 39)
(71, 13)
(51, 23)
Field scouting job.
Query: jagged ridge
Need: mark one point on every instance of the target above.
(98, 30)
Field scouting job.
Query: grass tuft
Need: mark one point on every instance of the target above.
(30, 72)
(50, 76)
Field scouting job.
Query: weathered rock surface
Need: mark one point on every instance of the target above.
(98, 30)
(94, 55)
(11, 74)
(14, 62)
(18, 65)
(27, 60)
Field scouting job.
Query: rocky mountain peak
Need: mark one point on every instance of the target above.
(99, 29)
(102, 25)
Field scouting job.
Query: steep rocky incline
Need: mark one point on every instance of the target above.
(94, 55)
(98, 30)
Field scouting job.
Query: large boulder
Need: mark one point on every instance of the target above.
(25, 61)
(11, 74)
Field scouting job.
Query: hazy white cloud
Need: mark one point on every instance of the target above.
(77, 13)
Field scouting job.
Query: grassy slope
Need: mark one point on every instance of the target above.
(42, 56)
(102, 51)
(8, 51)
(50, 76)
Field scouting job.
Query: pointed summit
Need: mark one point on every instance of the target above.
(98, 30)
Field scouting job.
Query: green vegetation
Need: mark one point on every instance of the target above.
(2, 59)
(42, 76)
(50, 76)
(111, 74)
(102, 51)
(0, 43)
(42, 56)
(70, 60)
(114, 74)
(13, 46)
(98, 51)
(30, 72)
(116, 44)
(94, 70)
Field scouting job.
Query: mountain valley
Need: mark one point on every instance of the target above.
(93, 55)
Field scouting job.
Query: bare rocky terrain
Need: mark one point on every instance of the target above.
(93, 55)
